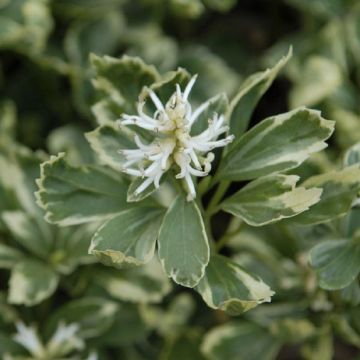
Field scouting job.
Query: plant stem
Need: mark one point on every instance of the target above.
(219, 193)
(228, 235)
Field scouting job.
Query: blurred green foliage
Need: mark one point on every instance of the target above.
(47, 103)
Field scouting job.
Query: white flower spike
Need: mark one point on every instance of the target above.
(28, 337)
(173, 146)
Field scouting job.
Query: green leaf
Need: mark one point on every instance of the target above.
(220, 5)
(269, 199)
(8, 345)
(276, 144)
(70, 140)
(65, 192)
(166, 86)
(71, 248)
(250, 92)
(31, 282)
(9, 256)
(351, 293)
(352, 155)
(122, 79)
(25, 25)
(129, 237)
(319, 78)
(321, 8)
(347, 127)
(25, 168)
(94, 315)
(240, 340)
(293, 330)
(344, 329)
(339, 191)
(7, 121)
(174, 320)
(228, 287)
(183, 244)
(86, 8)
(148, 41)
(145, 284)
(28, 233)
(100, 35)
(320, 347)
(129, 326)
(352, 221)
(107, 111)
(187, 8)
(183, 346)
(215, 74)
(336, 262)
(107, 140)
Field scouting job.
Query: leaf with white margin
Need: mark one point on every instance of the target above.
(122, 79)
(128, 238)
(107, 140)
(228, 287)
(337, 263)
(320, 77)
(28, 233)
(74, 195)
(144, 284)
(339, 191)
(240, 340)
(94, 315)
(183, 243)
(31, 282)
(271, 198)
(250, 92)
(25, 26)
(107, 111)
(278, 143)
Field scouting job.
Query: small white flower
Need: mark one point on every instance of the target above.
(174, 145)
(65, 340)
(29, 339)
(92, 356)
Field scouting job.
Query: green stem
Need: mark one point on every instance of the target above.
(219, 193)
(228, 235)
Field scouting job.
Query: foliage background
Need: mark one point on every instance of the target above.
(46, 99)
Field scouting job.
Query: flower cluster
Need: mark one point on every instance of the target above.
(64, 341)
(173, 145)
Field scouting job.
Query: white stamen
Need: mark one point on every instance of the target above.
(156, 100)
(174, 146)
(189, 87)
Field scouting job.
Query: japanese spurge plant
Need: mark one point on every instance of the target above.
(133, 188)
